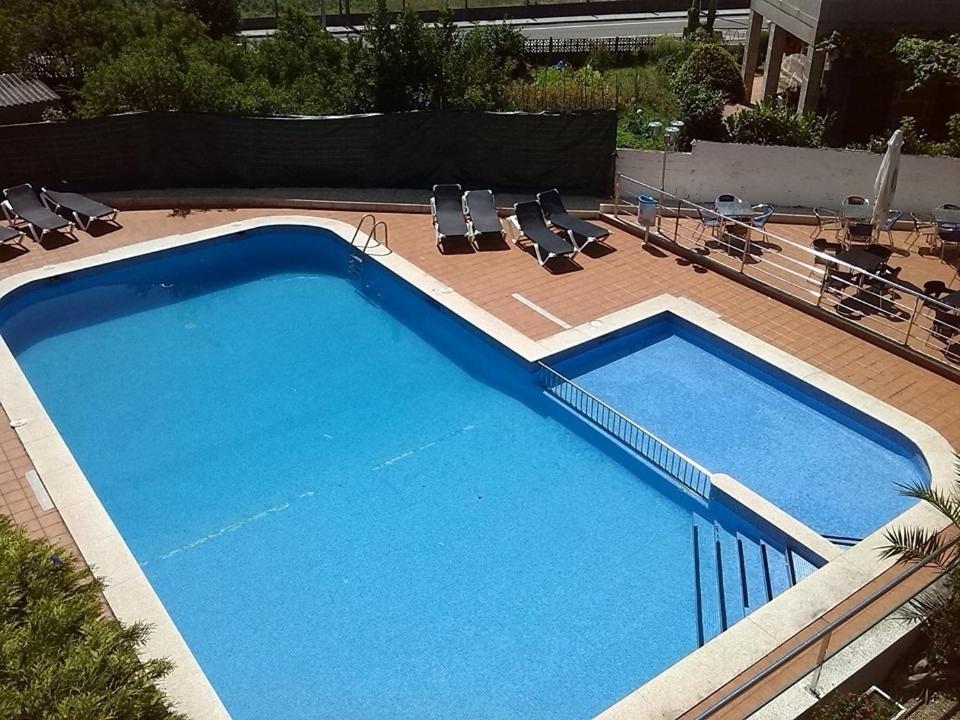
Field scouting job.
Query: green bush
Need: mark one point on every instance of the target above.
(703, 115)
(712, 66)
(853, 707)
(59, 657)
(669, 52)
(775, 124)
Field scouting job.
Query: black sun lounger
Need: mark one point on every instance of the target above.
(556, 214)
(21, 203)
(9, 233)
(533, 226)
(482, 209)
(83, 210)
(446, 206)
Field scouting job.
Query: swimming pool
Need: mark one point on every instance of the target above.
(826, 463)
(348, 500)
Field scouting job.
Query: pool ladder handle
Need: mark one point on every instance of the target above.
(372, 235)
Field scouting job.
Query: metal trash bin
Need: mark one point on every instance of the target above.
(646, 210)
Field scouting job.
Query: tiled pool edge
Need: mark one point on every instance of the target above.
(132, 597)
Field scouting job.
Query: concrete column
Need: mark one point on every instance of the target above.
(749, 70)
(810, 92)
(771, 70)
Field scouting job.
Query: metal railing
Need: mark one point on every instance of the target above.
(821, 639)
(880, 304)
(671, 461)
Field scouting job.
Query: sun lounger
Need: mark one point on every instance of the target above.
(8, 233)
(22, 204)
(482, 209)
(446, 206)
(533, 226)
(83, 210)
(556, 214)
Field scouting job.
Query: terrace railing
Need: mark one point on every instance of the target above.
(881, 306)
(671, 461)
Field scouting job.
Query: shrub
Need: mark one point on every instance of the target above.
(669, 52)
(712, 66)
(703, 114)
(59, 657)
(853, 707)
(775, 124)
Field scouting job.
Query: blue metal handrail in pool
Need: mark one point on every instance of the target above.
(671, 461)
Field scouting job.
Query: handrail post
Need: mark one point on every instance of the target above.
(913, 318)
(821, 658)
(616, 196)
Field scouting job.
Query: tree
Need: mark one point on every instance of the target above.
(711, 16)
(59, 656)
(693, 17)
(932, 62)
(222, 17)
(711, 65)
(939, 609)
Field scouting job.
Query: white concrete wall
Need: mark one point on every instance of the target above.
(791, 177)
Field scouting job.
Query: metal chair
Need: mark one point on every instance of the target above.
(823, 245)
(893, 217)
(709, 222)
(923, 226)
(826, 220)
(765, 212)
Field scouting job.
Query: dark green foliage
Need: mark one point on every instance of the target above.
(938, 610)
(775, 124)
(853, 707)
(931, 61)
(710, 65)
(222, 17)
(409, 66)
(59, 658)
(703, 114)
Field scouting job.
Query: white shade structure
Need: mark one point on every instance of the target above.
(885, 185)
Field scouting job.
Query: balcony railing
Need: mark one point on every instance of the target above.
(888, 307)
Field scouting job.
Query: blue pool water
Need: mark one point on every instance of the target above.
(351, 505)
(823, 462)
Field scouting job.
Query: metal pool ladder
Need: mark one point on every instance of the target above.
(357, 253)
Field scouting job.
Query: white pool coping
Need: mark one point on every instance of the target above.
(132, 598)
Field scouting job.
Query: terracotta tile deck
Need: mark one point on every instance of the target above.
(602, 281)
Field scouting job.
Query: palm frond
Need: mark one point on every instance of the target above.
(912, 544)
(947, 502)
(923, 606)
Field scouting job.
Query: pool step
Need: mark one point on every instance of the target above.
(354, 262)
(734, 574)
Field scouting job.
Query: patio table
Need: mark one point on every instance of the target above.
(736, 209)
(862, 259)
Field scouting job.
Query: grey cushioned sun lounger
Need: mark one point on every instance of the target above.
(482, 209)
(546, 243)
(21, 203)
(9, 233)
(446, 206)
(83, 209)
(556, 214)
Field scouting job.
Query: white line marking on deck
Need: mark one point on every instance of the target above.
(537, 309)
(36, 484)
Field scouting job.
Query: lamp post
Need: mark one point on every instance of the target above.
(667, 135)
